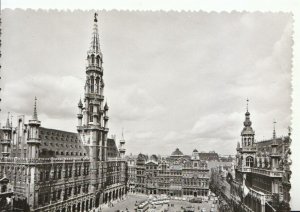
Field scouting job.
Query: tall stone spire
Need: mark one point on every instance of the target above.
(95, 43)
(92, 115)
(35, 116)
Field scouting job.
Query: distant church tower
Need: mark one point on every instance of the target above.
(92, 116)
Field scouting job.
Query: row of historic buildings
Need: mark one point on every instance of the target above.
(54, 170)
(261, 181)
(175, 175)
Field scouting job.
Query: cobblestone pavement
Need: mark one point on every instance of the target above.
(174, 206)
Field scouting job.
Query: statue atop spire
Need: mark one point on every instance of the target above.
(95, 17)
(34, 116)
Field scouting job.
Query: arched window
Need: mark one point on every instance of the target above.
(92, 84)
(91, 113)
(93, 59)
(249, 161)
(97, 84)
(98, 60)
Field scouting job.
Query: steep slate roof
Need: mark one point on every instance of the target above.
(57, 143)
(112, 149)
(265, 146)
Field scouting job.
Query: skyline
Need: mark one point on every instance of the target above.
(143, 94)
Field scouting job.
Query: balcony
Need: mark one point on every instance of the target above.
(269, 173)
(245, 169)
(248, 149)
(94, 96)
(93, 68)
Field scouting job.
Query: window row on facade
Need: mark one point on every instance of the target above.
(68, 172)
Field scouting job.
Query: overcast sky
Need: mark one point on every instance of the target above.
(171, 79)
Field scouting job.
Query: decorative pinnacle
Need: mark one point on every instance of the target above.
(35, 117)
(274, 130)
(122, 133)
(11, 118)
(7, 120)
(247, 104)
(80, 103)
(106, 106)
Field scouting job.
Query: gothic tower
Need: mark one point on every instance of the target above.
(247, 152)
(33, 140)
(92, 116)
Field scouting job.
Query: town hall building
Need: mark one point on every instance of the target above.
(54, 170)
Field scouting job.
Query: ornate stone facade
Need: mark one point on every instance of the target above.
(262, 173)
(175, 175)
(53, 170)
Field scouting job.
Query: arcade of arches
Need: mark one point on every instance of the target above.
(92, 203)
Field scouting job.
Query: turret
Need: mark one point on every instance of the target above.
(247, 133)
(274, 154)
(122, 149)
(34, 140)
(106, 118)
(7, 138)
(195, 154)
